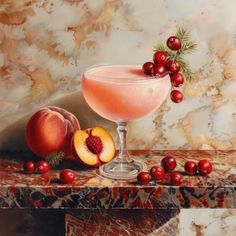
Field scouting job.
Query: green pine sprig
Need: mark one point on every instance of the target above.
(187, 47)
(55, 158)
(185, 68)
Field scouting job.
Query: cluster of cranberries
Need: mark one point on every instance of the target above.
(162, 64)
(157, 173)
(38, 167)
(66, 176)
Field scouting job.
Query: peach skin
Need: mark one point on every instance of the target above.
(51, 129)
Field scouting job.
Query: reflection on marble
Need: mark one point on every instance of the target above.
(45, 46)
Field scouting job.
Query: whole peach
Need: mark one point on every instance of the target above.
(49, 130)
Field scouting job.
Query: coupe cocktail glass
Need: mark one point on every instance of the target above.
(122, 93)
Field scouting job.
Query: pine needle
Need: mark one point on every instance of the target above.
(55, 158)
(183, 34)
(188, 46)
(161, 47)
(185, 68)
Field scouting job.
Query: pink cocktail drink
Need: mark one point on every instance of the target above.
(122, 93)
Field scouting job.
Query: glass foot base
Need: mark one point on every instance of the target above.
(122, 170)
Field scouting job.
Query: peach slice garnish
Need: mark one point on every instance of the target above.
(94, 146)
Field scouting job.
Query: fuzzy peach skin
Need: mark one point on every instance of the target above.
(49, 130)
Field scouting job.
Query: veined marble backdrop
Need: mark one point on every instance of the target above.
(46, 44)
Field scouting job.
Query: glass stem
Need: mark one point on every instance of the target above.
(122, 132)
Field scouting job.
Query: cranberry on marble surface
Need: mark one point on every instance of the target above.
(144, 178)
(29, 167)
(67, 176)
(190, 167)
(157, 172)
(43, 167)
(204, 167)
(169, 163)
(176, 178)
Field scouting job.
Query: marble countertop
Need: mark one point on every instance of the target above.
(89, 191)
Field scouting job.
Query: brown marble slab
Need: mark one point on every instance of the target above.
(89, 191)
(122, 222)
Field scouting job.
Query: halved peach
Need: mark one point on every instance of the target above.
(94, 147)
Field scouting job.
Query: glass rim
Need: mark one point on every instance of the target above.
(110, 78)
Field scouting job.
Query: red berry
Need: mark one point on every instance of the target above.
(190, 167)
(159, 69)
(176, 96)
(29, 167)
(148, 68)
(43, 167)
(177, 79)
(173, 66)
(173, 43)
(169, 163)
(67, 176)
(176, 178)
(157, 172)
(144, 178)
(160, 57)
(204, 167)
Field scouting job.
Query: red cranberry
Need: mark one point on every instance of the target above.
(160, 57)
(173, 43)
(176, 178)
(159, 69)
(148, 68)
(144, 178)
(43, 167)
(29, 167)
(169, 163)
(190, 167)
(204, 167)
(177, 79)
(67, 176)
(157, 172)
(176, 96)
(173, 66)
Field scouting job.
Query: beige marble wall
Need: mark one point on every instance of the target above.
(207, 222)
(45, 46)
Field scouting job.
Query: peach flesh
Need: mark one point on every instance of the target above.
(89, 157)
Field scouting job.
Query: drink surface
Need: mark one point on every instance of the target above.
(122, 93)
